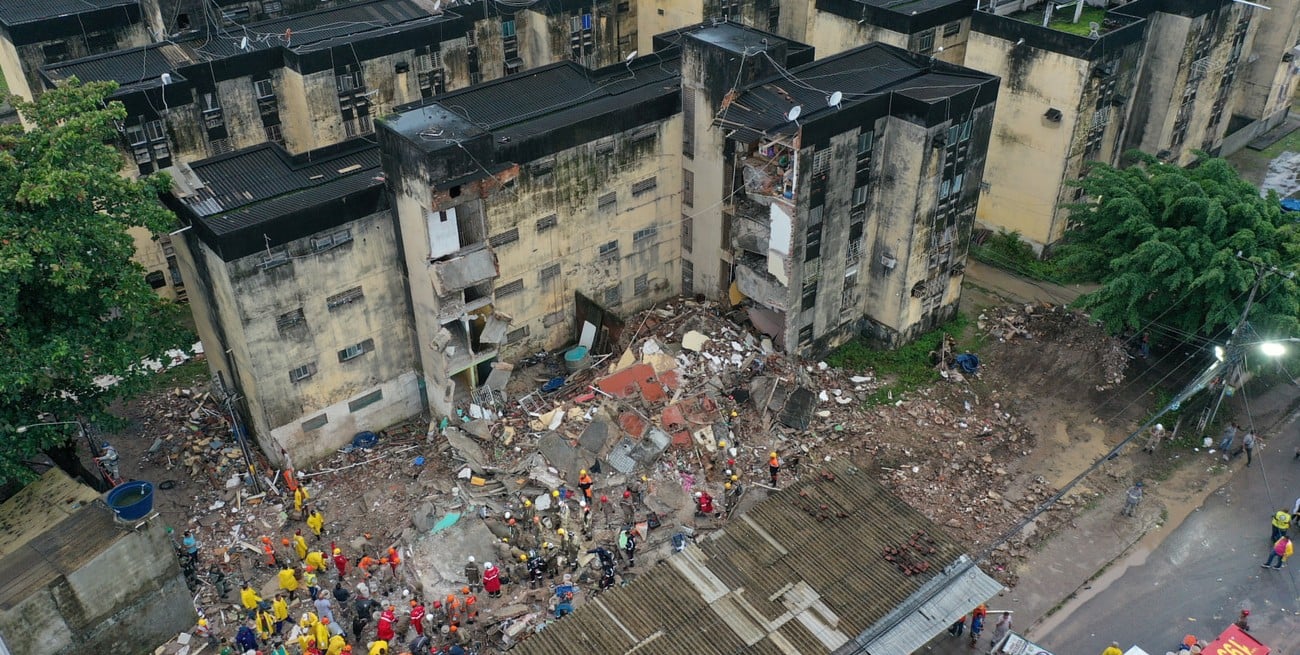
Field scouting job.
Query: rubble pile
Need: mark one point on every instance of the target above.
(1043, 322)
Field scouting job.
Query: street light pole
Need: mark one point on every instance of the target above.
(95, 452)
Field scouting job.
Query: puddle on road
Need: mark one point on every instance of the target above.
(1283, 175)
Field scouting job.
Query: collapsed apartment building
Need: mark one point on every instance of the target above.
(532, 212)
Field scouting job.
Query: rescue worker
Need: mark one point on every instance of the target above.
(249, 599)
(109, 460)
(280, 612)
(316, 560)
(773, 465)
(340, 562)
(320, 631)
(289, 582)
(265, 624)
(417, 617)
(379, 647)
(393, 561)
(586, 518)
(1281, 523)
(385, 625)
(299, 545)
(570, 546)
(316, 521)
(309, 579)
(606, 566)
(245, 638)
(472, 575)
(627, 539)
(268, 550)
(438, 616)
(584, 483)
(534, 568)
(492, 580)
(367, 565)
(336, 643)
(628, 505)
(1132, 498)
(470, 603)
(300, 498)
(703, 503)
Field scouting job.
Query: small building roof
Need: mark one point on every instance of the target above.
(861, 74)
(49, 527)
(804, 570)
(19, 12)
(319, 29)
(143, 66)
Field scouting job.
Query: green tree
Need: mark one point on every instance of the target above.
(73, 304)
(1182, 246)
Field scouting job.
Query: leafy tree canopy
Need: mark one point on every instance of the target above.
(73, 304)
(1164, 243)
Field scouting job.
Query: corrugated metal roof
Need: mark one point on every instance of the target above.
(263, 183)
(303, 31)
(858, 74)
(17, 12)
(914, 629)
(124, 66)
(801, 570)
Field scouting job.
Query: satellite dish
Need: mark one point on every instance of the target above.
(835, 99)
(630, 57)
(166, 79)
(243, 43)
(794, 112)
(437, 5)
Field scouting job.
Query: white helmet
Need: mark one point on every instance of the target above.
(698, 494)
(471, 558)
(1160, 426)
(489, 565)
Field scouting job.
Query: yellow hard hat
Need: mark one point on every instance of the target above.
(546, 544)
(523, 558)
(726, 486)
(560, 532)
(582, 472)
(338, 551)
(722, 444)
(735, 477)
(555, 493)
(203, 622)
(772, 454)
(528, 503)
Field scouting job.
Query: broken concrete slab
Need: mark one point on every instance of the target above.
(694, 340)
(465, 449)
(463, 269)
(593, 438)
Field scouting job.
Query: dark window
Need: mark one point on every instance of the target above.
(356, 350)
(156, 279)
(345, 298)
(289, 320)
(273, 259)
(515, 336)
(609, 250)
(688, 122)
(54, 52)
(612, 296)
(773, 16)
(809, 296)
(607, 201)
(806, 334)
(264, 89)
(688, 233)
(101, 42)
(549, 273)
(546, 222)
(640, 285)
(925, 42)
(274, 134)
(510, 288)
(640, 237)
(302, 372)
(688, 188)
(507, 237)
(645, 185)
(951, 29)
(366, 400)
(315, 423)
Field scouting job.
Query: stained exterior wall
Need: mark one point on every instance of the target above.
(1031, 156)
(247, 310)
(831, 33)
(1189, 90)
(1269, 80)
(538, 271)
(21, 61)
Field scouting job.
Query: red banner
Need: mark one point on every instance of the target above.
(1235, 642)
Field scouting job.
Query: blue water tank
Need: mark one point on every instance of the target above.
(131, 501)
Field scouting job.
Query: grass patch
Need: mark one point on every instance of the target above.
(1063, 19)
(184, 375)
(905, 369)
(1005, 250)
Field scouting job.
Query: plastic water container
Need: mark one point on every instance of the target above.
(577, 359)
(131, 501)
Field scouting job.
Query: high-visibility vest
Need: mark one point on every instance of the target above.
(1282, 520)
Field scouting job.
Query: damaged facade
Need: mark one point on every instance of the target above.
(521, 200)
(832, 219)
(298, 293)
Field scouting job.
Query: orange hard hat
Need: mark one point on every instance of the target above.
(464, 590)
(285, 541)
(266, 540)
(413, 603)
(453, 628)
(391, 608)
(325, 620)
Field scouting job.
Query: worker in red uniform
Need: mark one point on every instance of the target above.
(340, 562)
(703, 503)
(417, 617)
(386, 623)
(492, 580)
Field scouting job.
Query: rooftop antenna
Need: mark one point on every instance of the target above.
(793, 115)
(243, 43)
(835, 99)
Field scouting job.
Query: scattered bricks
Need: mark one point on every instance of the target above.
(632, 424)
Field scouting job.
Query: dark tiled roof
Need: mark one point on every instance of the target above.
(263, 183)
(18, 12)
(858, 74)
(787, 575)
(126, 67)
(912, 6)
(307, 31)
(540, 100)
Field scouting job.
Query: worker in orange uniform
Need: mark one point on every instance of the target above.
(367, 565)
(340, 562)
(300, 498)
(471, 605)
(393, 561)
(268, 551)
(584, 483)
(386, 620)
(289, 582)
(773, 465)
(453, 609)
(417, 617)
(299, 545)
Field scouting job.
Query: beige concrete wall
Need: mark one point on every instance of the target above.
(1268, 81)
(712, 190)
(295, 122)
(12, 67)
(1028, 154)
(658, 16)
(831, 33)
(260, 297)
(571, 191)
(411, 207)
(149, 254)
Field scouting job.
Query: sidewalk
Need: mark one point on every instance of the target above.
(1014, 287)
